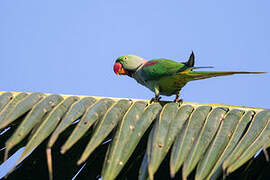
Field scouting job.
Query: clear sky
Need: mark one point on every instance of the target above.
(69, 47)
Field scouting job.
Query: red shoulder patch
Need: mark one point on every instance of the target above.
(150, 64)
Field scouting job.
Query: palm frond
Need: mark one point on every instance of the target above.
(208, 139)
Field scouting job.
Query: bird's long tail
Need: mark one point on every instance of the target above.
(196, 75)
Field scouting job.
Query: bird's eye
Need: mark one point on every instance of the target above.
(125, 58)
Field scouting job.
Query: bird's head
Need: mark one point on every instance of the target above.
(127, 64)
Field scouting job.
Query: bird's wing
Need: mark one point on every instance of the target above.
(157, 68)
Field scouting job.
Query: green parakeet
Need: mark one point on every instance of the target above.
(164, 76)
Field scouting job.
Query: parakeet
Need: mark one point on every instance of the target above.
(164, 76)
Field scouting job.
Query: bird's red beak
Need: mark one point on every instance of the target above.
(118, 69)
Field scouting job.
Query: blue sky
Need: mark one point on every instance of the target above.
(69, 47)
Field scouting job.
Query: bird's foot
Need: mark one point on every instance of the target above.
(177, 100)
(180, 101)
(155, 99)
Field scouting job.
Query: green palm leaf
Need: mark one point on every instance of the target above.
(206, 139)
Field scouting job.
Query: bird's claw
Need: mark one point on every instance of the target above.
(155, 99)
(180, 101)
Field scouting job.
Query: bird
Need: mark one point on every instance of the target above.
(165, 76)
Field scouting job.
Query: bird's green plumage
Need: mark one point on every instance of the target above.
(163, 67)
(164, 76)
